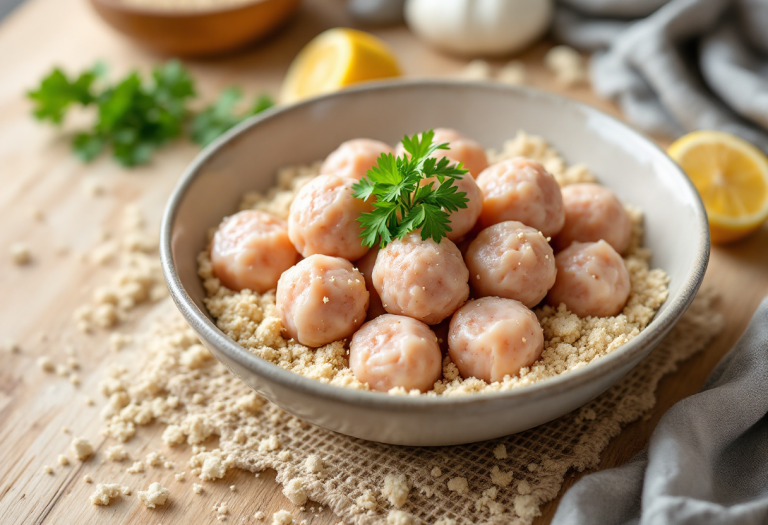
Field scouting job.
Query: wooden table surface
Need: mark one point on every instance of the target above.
(38, 171)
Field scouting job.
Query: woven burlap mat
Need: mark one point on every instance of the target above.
(504, 484)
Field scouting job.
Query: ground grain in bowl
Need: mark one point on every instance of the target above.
(570, 342)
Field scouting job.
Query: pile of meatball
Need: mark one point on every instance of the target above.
(521, 240)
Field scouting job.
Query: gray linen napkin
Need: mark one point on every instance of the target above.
(677, 66)
(707, 460)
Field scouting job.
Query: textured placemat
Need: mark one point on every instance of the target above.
(500, 481)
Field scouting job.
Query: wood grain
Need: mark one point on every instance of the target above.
(38, 171)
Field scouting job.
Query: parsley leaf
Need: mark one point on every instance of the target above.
(402, 203)
(136, 117)
(57, 93)
(220, 116)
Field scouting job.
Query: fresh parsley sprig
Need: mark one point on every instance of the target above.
(402, 204)
(135, 117)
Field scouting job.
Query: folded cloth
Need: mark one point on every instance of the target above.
(707, 460)
(677, 66)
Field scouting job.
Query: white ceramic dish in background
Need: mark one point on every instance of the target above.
(247, 159)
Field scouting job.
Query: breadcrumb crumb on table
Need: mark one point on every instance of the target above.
(155, 495)
(81, 448)
(20, 254)
(116, 453)
(136, 468)
(63, 460)
(45, 364)
(105, 493)
(294, 490)
(47, 469)
(197, 488)
(282, 517)
(500, 452)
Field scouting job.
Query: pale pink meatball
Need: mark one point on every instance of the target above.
(591, 280)
(354, 158)
(464, 219)
(365, 265)
(522, 190)
(323, 218)
(322, 299)
(492, 337)
(593, 212)
(251, 249)
(465, 150)
(421, 279)
(395, 351)
(511, 260)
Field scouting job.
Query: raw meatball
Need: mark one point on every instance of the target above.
(593, 212)
(251, 249)
(354, 157)
(464, 219)
(323, 218)
(421, 279)
(492, 337)
(522, 190)
(465, 150)
(322, 299)
(591, 280)
(394, 350)
(365, 265)
(511, 260)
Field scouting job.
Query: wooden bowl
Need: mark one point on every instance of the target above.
(200, 32)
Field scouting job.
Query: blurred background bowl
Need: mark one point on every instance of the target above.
(196, 32)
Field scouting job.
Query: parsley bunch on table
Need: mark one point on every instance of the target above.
(135, 117)
(402, 203)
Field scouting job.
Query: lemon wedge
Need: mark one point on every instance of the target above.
(731, 176)
(335, 59)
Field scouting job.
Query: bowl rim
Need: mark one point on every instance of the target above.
(124, 7)
(651, 335)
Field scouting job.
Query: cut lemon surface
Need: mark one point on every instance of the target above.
(335, 59)
(731, 176)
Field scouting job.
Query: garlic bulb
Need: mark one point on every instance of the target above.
(479, 27)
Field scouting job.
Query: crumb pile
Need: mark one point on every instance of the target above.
(570, 342)
(174, 382)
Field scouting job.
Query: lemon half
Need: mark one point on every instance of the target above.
(731, 176)
(335, 59)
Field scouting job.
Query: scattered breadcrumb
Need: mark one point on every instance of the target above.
(232, 488)
(153, 459)
(398, 517)
(197, 488)
(459, 485)
(105, 493)
(436, 472)
(269, 444)
(502, 479)
(116, 453)
(396, 489)
(47, 469)
(282, 517)
(81, 448)
(513, 73)
(314, 464)
(155, 495)
(180, 476)
(567, 65)
(20, 254)
(500, 452)
(87, 479)
(259, 515)
(136, 468)
(45, 363)
(12, 347)
(294, 491)
(63, 460)
(477, 70)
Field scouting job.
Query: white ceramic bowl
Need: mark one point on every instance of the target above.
(248, 157)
